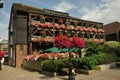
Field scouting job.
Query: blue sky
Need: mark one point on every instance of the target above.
(105, 11)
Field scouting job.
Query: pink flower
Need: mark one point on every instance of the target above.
(30, 57)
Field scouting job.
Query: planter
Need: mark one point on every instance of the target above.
(32, 65)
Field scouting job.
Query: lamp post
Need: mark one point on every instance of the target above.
(70, 65)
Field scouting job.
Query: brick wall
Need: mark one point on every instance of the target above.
(21, 52)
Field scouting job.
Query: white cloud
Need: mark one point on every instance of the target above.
(3, 37)
(3, 30)
(37, 2)
(106, 12)
(3, 25)
(64, 6)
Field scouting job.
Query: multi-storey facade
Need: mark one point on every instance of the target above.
(33, 29)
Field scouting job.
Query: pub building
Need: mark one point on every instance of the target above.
(33, 29)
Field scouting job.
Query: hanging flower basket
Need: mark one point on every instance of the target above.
(45, 25)
(80, 28)
(89, 29)
(36, 23)
(60, 21)
(94, 29)
(51, 25)
(71, 27)
(42, 19)
(63, 27)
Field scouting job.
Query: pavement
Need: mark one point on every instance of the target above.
(12, 73)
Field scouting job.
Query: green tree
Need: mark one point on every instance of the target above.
(1, 4)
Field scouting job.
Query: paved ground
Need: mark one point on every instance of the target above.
(11, 73)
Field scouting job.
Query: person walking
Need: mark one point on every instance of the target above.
(2, 54)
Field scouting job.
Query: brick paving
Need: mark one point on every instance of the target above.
(11, 73)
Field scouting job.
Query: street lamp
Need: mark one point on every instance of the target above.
(70, 65)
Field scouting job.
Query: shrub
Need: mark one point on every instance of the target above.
(86, 63)
(106, 58)
(112, 47)
(49, 65)
(93, 48)
(54, 65)
(109, 58)
(117, 51)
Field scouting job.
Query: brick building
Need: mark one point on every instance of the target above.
(112, 31)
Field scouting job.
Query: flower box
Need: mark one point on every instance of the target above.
(32, 65)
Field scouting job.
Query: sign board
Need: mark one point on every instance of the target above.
(57, 13)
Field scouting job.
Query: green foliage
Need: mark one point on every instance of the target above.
(117, 51)
(96, 67)
(42, 20)
(99, 58)
(54, 65)
(1, 5)
(109, 58)
(86, 63)
(49, 65)
(96, 54)
(89, 62)
(118, 59)
(111, 46)
(93, 48)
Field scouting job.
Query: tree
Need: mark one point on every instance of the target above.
(1, 4)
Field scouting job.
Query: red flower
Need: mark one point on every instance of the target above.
(60, 21)
(63, 41)
(78, 42)
(2, 54)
